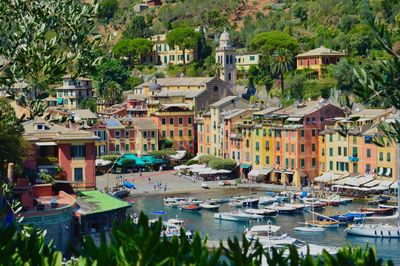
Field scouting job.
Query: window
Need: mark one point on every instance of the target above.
(355, 153)
(330, 137)
(153, 147)
(117, 134)
(257, 159)
(323, 152)
(331, 165)
(278, 146)
(180, 119)
(313, 147)
(238, 153)
(257, 131)
(302, 133)
(345, 151)
(292, 147)
(307, 120)
(189, 132)
(163, 122)
(303, 163)
(339, 151)
(367, 168)
(78, 151)
(163, 134)
(368, 153)
(292, 163)
(278, 159)
(313, 131)
(287, 147)
(287, 162)
(171, 133)
(127, 134)
(252, 58)
(266, 159)
(381, 156)
(229, 76)
(145, 147)
(312, 120)
(190, 143)
(189, 120)
(153, 134)
(388, 156)
(267, 145)
(171, 121)
(302, 148)
(257, 146)
(247, 143)
(127, 147)
(78, 174)
(330, 151)
(313, 162)
(117, 147)
(180, 133)
(233, 155)
(144, 134)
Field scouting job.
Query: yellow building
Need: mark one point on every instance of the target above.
(163, 54)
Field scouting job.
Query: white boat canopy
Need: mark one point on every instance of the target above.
(101, 162)
(265, 228)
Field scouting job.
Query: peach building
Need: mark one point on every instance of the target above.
(317, 59)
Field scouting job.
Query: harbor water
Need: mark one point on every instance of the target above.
(205, 223)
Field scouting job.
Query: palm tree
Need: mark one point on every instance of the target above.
(281, 62)
(112, 92)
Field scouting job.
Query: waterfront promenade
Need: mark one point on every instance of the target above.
(176, 184)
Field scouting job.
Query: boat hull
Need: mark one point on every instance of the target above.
(377, 231)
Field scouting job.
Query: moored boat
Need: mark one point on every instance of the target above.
(211, 206)
(267, 200)
(324, 224)
(374, 230)
(379, 211)
(205, 186)
(233, 216)
(263, 212)
(190, 207)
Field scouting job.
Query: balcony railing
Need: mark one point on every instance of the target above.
(47, 160)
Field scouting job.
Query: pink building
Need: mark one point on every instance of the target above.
(56, 146)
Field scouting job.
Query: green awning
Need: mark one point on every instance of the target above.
(245, 166)
(60, 101)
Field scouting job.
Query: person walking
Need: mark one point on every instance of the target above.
(165, 187)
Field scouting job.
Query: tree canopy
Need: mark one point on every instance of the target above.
(132, 49)
(185, 38)
(268, 42)
(111, 70)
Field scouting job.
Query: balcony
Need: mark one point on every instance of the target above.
(47, 160)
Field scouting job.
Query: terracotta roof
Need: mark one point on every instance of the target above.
(164, 82)
(321, 51)
(51, 131)
(301, 109)
(143, 123)
(85, 114)
(372, 113)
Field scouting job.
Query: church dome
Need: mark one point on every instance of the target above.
(225, 40)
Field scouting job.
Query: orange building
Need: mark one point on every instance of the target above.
(317, 59)
(176, 123)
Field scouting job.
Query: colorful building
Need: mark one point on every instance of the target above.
(54, 145)
(136, 106)
(317, 59)
(73, 91)
(176, 124)
(349, 147)
(163, 54)
(146, 135)
(245, 59)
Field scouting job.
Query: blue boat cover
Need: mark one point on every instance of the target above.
(128, 184)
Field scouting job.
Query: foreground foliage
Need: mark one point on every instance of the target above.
(141, 244)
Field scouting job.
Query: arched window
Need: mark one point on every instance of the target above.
(231, 59)
(229, 76)
(227, 60)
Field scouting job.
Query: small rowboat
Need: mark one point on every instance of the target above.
(379, 211)
(263, 212)
(324, 224)
(205, 186)
(190, 207)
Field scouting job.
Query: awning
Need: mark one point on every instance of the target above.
(358, 188)
(101, 162)
(327, 177)
(258, 172)
(245, 166)
(358, 181)
(373, 183)
(49, 143)
(388, 171)
(380, 172)
(394, 185)
(294, 119)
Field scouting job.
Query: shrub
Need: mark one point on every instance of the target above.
(204, 159)
(110, 157)
(191, 162)
(218, 164)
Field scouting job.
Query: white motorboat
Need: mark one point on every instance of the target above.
(282, 209)
(263, 212)
(234, 216)
(205, 186)
(219, 201)
(176, 221)
(268, 237)
(374, 230)
(171, 204)
(211, 206)
(266, 200)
